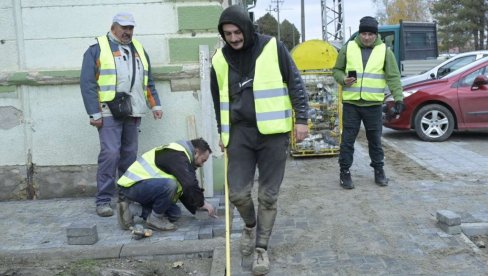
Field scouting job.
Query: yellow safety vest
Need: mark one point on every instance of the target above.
(107, 79)
(145, 168)
(371, 83)
(271, 100)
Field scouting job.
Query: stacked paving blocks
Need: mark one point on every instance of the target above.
(449, 222)
(82, 234)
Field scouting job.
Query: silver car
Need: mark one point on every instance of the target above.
(446, 67)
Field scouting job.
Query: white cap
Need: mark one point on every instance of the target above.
(124, 19)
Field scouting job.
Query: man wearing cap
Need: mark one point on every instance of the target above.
(116, 64)
(364, 67)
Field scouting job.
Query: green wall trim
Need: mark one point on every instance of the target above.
(36, 78)
(199, 18)
(7, 89)
(187, 49)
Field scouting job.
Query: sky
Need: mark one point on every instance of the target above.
(291, 10)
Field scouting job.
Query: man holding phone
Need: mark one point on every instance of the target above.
(364, 67)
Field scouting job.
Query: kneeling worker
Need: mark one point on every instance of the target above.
(158, 179)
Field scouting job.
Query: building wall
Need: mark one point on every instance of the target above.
(47, 147)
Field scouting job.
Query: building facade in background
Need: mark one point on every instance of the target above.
(47, 147)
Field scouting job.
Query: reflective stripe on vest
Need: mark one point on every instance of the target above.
(107, 79)
(370, 84)
(271, 100)
(145, 168)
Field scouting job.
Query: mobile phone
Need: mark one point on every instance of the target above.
(352, 74)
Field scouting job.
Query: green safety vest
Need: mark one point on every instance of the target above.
(107, 79)
(370, 84)
(145, 168)
(271, 100)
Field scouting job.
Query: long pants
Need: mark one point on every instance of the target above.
(351, 121)
(246, 149)
(118, 150)
(156, 195)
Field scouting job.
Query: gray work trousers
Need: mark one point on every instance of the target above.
(246, 149)
(118, 150)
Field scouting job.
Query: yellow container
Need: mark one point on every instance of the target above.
(315, 59)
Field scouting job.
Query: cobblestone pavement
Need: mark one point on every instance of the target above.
(321, 229)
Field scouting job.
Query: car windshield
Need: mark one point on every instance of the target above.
(466, 67)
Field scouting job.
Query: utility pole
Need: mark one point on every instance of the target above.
(303, 20)
(277, 10)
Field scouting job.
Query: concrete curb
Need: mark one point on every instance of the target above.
(212, 247)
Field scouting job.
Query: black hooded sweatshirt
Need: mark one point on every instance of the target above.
(241, 69)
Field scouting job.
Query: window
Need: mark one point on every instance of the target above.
(454, 65)
(469, 79)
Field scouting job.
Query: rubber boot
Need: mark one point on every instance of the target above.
(248, 238)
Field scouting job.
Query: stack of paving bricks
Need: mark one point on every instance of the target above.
(449, 222)
(82, 234)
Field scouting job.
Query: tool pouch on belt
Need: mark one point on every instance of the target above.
(120, 106)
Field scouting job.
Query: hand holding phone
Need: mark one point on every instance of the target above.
(352, 74)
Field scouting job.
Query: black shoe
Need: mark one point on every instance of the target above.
(346, 181)
(380, 178)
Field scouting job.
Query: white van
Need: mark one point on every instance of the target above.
(446, 67)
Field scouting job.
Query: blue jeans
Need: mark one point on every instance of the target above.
(156, 195)
(118, 150)
(352, 116)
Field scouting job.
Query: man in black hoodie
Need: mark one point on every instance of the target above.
(158, 179)
(255, 85)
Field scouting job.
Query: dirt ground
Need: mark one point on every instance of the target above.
(310, 190)
(116, 267)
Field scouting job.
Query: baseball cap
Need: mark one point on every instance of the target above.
(124, 19)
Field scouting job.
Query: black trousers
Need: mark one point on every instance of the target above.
(247, 149)
(371, 117)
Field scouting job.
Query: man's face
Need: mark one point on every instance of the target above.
(123, 33)
(233, 36)
(201, 157)
(367, 38)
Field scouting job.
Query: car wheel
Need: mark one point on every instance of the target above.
(434, 123)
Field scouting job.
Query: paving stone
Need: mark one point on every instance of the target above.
(82, 234)
(205, 232)
(201, 214)
(83, 240)
(474, 229)
(81, 229)
(221, 211)
(448, 217)
(218, 230)
(451, 230)
(191, 235)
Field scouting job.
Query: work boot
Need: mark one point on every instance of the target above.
(380, 178)
(105, 210)
(260, 266)
(159, 223)
(248, 238)
(346, 181)
(124, 215)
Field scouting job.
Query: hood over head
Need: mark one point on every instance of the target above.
(238, 16)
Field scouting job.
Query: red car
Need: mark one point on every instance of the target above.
(434, 109)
